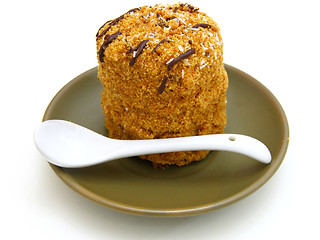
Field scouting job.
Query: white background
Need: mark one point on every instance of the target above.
(45, 44)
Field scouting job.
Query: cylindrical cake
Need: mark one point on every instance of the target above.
(163, 76)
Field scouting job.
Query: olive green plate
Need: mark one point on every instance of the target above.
(132, 185)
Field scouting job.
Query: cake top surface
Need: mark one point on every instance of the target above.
(173, 32)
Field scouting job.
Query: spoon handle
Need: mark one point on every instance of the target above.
(222, 142)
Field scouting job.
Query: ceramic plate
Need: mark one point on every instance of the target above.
(132, 185)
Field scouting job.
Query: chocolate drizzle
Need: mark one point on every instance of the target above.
(162, 85)
(189, 7)
(158, 45)
(203, 25)
(114, 22)
(173, 18)
(102, 27)
(181, 57)
(138, 51)
(133, 10)
(109, 39)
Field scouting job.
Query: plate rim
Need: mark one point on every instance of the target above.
(67, 179)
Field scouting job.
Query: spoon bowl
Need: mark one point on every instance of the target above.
(66, 144)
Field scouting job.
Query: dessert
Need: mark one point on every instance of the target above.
(163, 76)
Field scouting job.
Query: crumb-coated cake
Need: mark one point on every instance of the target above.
(163, 76)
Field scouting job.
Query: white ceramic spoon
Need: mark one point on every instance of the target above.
(67, 144)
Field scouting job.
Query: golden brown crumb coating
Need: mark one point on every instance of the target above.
(163, 76)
